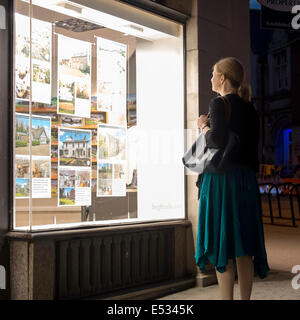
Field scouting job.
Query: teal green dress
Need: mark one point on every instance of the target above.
(230, 220)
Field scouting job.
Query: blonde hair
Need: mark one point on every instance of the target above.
(233, 70)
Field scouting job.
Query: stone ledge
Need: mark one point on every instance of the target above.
(148, 293)
(90, 231)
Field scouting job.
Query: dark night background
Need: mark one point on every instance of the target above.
(275, 80)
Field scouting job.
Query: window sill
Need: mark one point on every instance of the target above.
(91, 229)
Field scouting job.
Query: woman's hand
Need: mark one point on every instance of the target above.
(202, 120)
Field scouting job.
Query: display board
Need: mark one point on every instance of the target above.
(78, 140)
(111, 79)
(41, 160)
(111, 159)
(74, 77)
(41, 59)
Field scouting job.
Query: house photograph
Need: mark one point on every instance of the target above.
(66, 196)
(111, 143)
(22, 188)
(69, 121)
(74, 147)
(104, 185)
(22, 81)
(66, 178)
(83, 179)
(22, 168)
(41, 168)
(66, 97)
(40, 135)
(41, 74)
(119, 171)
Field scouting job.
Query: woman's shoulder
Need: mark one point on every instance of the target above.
(217, 107)
(217, 102)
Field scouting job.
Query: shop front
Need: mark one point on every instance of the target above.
(93, 119)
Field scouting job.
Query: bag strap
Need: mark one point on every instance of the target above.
(228, 112)
(227, 107)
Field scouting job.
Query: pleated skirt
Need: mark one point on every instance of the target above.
(230, 220)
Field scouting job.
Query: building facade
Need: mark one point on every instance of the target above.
(101, 258)
(275, 95)
(75, 148)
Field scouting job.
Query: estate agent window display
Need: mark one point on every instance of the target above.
(76, 119)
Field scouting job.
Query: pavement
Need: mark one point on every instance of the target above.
(283, 252)
(277, 286)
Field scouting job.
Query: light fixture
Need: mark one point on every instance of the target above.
(70, 6)
(134, 27)
(107, 20)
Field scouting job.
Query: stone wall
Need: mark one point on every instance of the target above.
(105, 261)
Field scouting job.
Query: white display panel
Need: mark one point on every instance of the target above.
(74, 77)
(111, 79)
(111, 159)
(40, 150)
(74, 167)
(41, 59)
(160, 119)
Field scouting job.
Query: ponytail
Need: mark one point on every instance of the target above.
(244, 91)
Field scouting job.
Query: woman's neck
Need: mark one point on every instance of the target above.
(227, 90)
(223, 93)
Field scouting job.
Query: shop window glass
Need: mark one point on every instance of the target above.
(98, 115)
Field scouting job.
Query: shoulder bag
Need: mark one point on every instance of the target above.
(199, 158)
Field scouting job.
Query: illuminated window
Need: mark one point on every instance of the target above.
(99, 114)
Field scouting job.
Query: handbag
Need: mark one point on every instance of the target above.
(200, 158)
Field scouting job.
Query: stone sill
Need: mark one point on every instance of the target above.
(84, 231)
(149, 292)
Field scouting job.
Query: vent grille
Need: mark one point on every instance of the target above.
(92, 266)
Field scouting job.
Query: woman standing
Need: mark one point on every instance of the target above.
(230, 230)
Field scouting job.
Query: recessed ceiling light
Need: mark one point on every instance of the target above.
(69, 6)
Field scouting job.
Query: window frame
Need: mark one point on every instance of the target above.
(158, 9)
